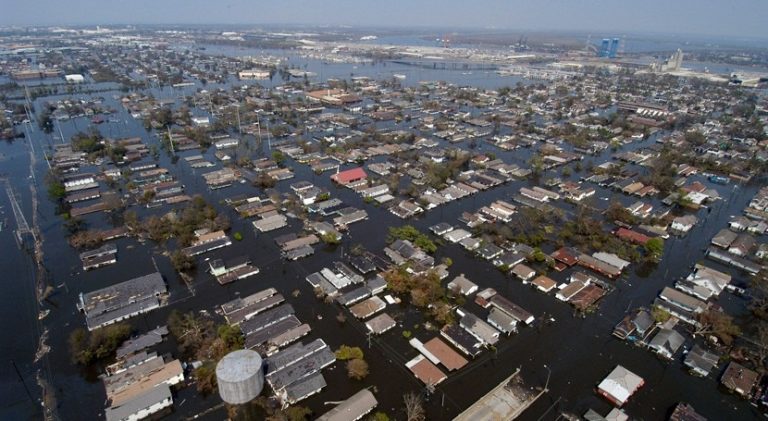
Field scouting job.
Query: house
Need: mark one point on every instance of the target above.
(502, 321)
(739, 223)
(544, 283)
(457, 235)
(700, 361)
(724, 238)
(570, 290)
(620, 385)
(488, 251)
(483, 298)
(685, 412)
(683, 224)
(739, 379)
(681, 305)
(666, 343)
(509, 259)
(481, 330)
(632, 236)
(523, 272)
(354, 408)
(349, 176)
(142, 406)
(462, 285)
(742, 245)
(611, 259)
(704, 282)
(615, 414)
(441, 229)
(634, 326)
(566, 256)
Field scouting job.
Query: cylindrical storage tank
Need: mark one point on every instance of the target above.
(240, 376)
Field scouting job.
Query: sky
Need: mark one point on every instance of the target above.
(733, 18)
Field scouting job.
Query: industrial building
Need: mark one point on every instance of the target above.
(240, 376)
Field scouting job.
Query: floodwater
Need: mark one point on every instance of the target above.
(578, 352)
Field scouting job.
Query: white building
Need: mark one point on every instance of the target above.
(74, 78)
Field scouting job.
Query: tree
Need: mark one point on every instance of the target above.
(659, 314)
(719, 324)
(206, 378)
(349, 353)
(655, 247)
(297, 413)
(414, 407)
(193, 333)
(278, 157)
(87, 347)
(56, 189)
(330, 238)
(232, 337)
(357, 368)
(182, 262)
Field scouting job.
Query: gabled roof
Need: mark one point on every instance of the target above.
(620, 384)
(347, 176)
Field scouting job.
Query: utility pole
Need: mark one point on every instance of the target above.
(21, 379)
(170, 140)
(61, 135)
(239, 128)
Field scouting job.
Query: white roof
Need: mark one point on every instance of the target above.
(621, 384)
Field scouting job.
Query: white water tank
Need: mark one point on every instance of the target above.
(240, 376)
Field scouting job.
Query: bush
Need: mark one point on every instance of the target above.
(237, 236)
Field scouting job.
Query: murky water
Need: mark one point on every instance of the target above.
(579, 352)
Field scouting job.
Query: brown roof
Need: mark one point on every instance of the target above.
(451, 359)
(425, 370)
(544, 282)
(566, 256)
(739, 378)
(587, 296)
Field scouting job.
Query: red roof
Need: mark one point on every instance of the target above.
(349, 176)
(565, 256)
(632, 236)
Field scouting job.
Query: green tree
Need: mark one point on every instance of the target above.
(182, 262)
(655, 247)
(349, 353)
(87, 347)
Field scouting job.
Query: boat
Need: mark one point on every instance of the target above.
(43, 314)
(399, 76)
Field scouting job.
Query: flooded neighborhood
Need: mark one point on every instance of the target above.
(338, 224)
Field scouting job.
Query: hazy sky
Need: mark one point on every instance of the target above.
(747, 18)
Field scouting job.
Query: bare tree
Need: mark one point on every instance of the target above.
(414, 407)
